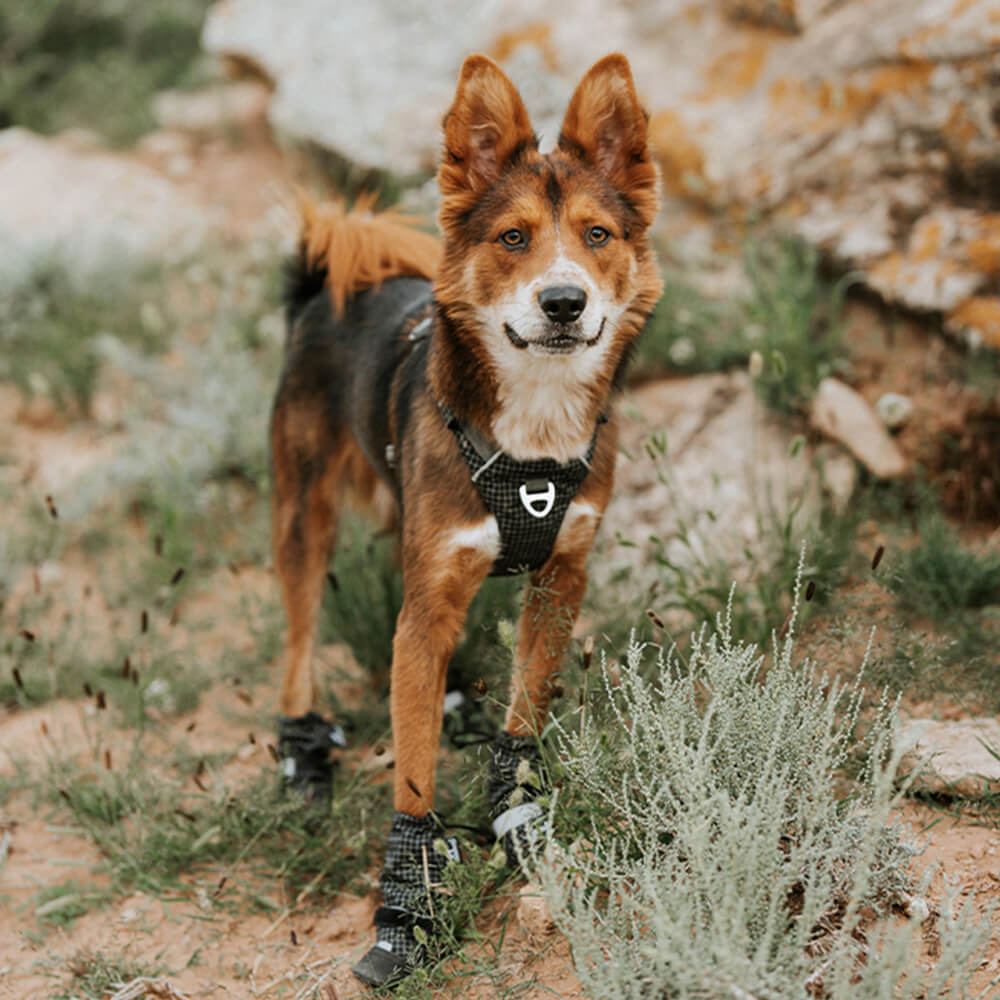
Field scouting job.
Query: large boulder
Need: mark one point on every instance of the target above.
(870, 127)
(66, 201)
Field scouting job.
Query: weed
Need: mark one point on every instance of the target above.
(50, 325)
(191, 833)
(95, 976)
(795, 317)
(940, 577)
(790, 315)
(716, 857)
(60, 905)
(97, 64)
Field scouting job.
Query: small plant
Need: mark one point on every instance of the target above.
(796, 319)
(791, 316)
(98, 64)
(96, 976)
(717, 857)
(940, 577)
(50, 325)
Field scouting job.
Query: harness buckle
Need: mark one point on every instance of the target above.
(538, 496)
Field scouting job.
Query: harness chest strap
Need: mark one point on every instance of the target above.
(528, 498)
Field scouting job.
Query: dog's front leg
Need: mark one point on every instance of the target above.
(441, 575)
(551, 606)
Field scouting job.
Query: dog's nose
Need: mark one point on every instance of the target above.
(562, 303)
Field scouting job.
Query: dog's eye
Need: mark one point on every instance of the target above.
(512, 238)
(597, 236)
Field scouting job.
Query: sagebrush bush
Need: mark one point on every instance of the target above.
(723, 857)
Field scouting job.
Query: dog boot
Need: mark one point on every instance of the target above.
(415, 861)
(516, 780)
(304, 746)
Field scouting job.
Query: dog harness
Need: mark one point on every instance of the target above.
(529, 499)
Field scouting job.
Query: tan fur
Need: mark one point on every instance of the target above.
(361, 249)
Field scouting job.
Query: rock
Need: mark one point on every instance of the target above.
(868, 127)
(960, 759)
(533, 914)
(731, 476)
(894, 409)
(91, 211)
(238, 106)
(373, 82)
(839, 412)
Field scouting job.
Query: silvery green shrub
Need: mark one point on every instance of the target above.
(740, 843)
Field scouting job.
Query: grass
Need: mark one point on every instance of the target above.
(184, 832)
(940, 577)
(95, 64)
(95, 975)
(790, 315)
(50, 327)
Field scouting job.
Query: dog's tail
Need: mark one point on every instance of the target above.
(347, 251)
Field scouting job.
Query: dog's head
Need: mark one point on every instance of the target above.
(547, 272)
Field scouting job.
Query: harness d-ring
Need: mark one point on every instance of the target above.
(538, 496)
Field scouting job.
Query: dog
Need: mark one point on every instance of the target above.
(464, 390)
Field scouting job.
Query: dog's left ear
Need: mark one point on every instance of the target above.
(483, 130)
(606, 126)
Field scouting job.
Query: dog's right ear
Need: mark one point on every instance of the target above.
(486, 127)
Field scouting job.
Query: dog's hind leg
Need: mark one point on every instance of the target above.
(306, 462)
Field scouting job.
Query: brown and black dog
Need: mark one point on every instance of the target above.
(465, 391)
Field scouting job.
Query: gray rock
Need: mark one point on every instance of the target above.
(729, 477)
(865, 128)
(839, 412)
(952, 757)
(90, 210)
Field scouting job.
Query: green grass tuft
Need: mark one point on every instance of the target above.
(96, 64)
(940, 577)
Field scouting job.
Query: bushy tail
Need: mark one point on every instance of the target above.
(347, 251)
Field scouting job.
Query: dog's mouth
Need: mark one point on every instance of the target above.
(561, 340)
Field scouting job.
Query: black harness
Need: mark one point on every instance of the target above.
(529, 499)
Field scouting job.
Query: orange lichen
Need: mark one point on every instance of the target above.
(888, 269)
(984, 249)
(734, 72)
(925, 241)
(538, 34)
(680, 157)
(981, 313)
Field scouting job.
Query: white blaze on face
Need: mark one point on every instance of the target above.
(544, 403)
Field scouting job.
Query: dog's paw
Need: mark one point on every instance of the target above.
(516, 782)
(304, 746)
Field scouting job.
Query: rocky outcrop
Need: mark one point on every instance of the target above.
(869, 127)
(91, 211)
(960, 757)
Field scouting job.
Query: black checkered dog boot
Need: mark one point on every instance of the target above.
(304, 746)
(414, 870)
(516, 780)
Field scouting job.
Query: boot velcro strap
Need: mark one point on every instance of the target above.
(395, 916)
(516, 816)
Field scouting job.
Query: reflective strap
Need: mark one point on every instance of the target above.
(337, 737)
(515, 817)
(288, 767)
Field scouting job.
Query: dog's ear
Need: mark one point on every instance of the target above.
(485, 128)
(606, 126)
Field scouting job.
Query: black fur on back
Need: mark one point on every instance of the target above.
(301, 283)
